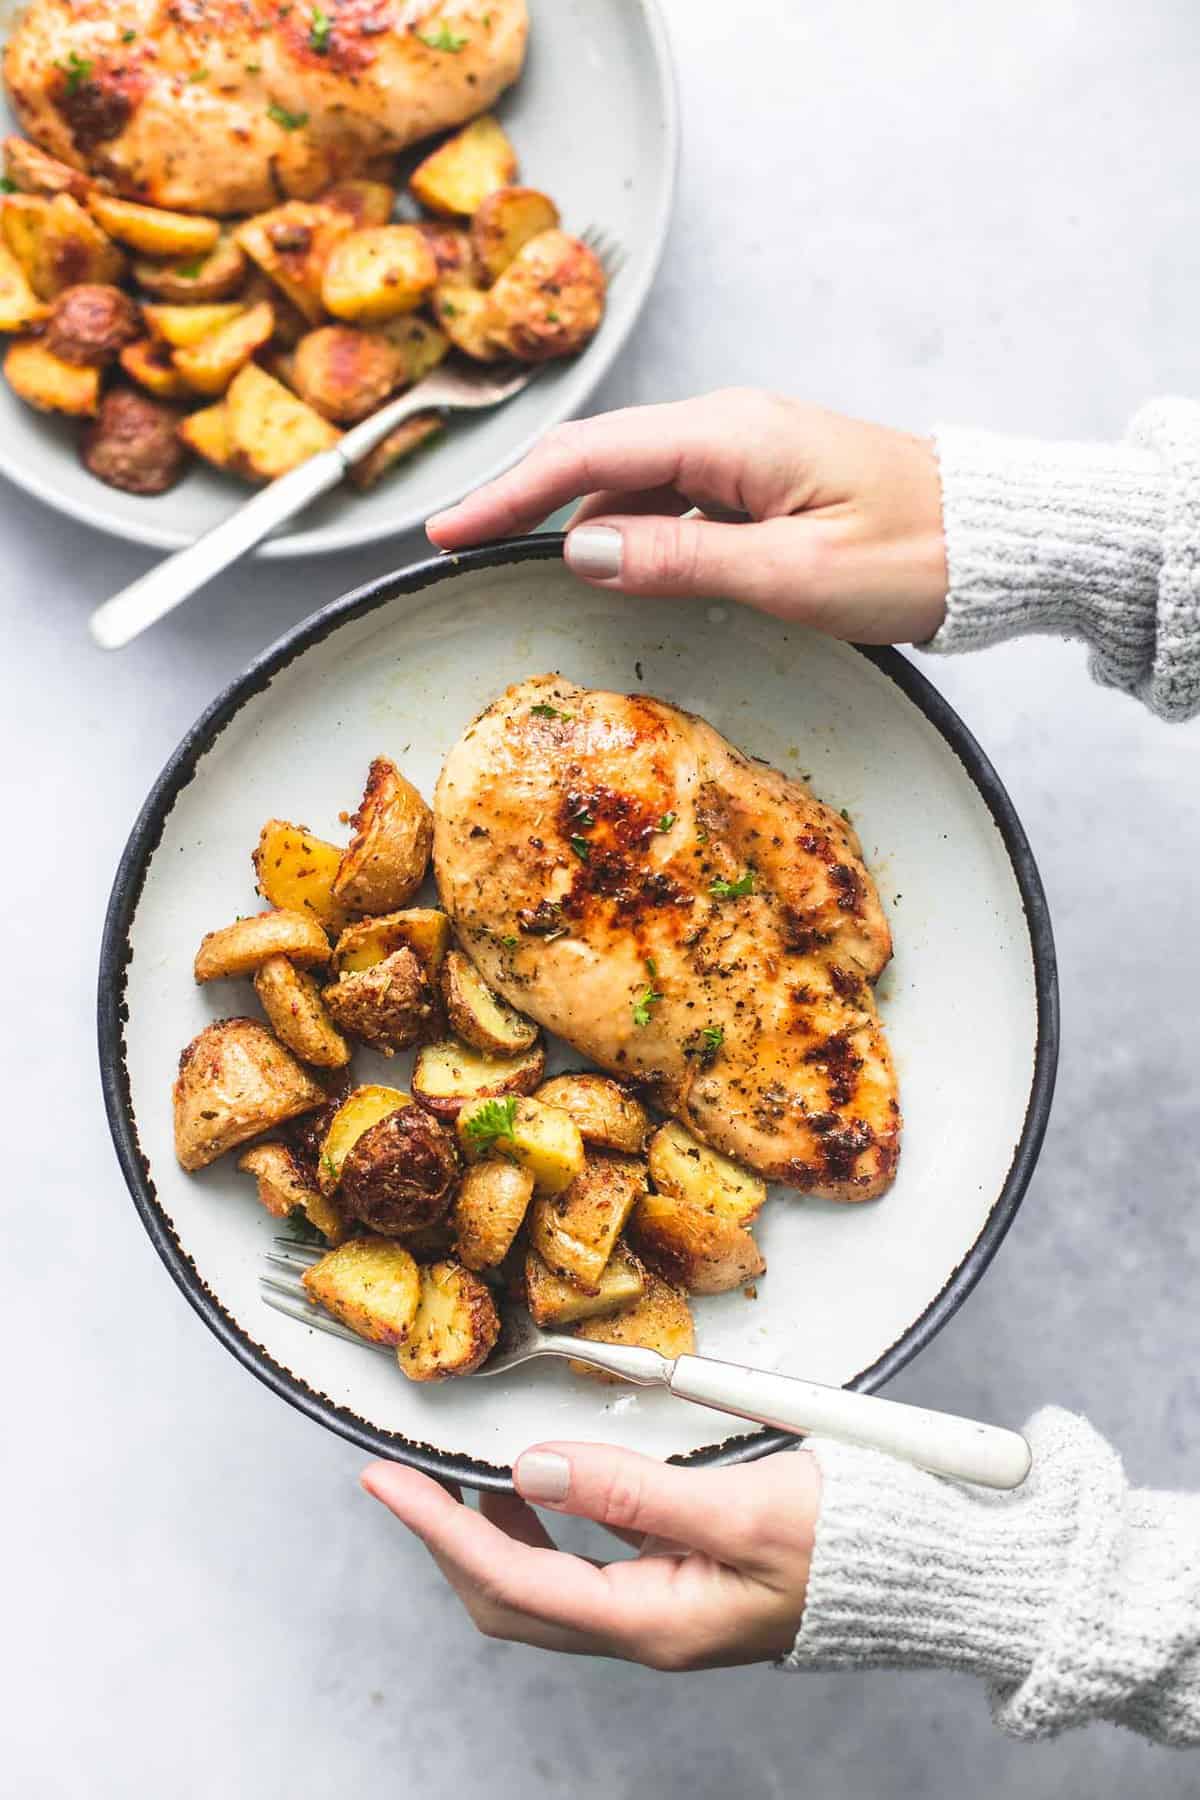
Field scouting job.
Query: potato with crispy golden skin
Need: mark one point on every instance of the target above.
(19, 305)
(451, 248)
(400, 1174)
(389, 1006)
(377, 273)
(575, 1231)
(148, 362)
(345, 373)
(44, 381)
(152, 230)
(271, 430)
(32, 171)
(661, 1320)
(235, 1081)
(607, 1114)
(455, 1328)
(354, 1114)
(295, 871)
(489, 1209)
(704, 1252)
(549, 301)
(209, 366)
(480, 1016)
(456, 178)
(465, 315)
(206, 432)
(681, 1165)
(134, 443)
(214, 275)
(553, 1302)
(388, 857)
(58, 244)
(418, 343)
(292, 245)
(449, 1075)
(183, 326)
(422, 929)
(372, 1286)
(504, 223)
(90, 323)
(286, 1185)
(244, 946)
(292, 1002)
(363, 201)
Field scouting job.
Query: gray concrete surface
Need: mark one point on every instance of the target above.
(935, 211)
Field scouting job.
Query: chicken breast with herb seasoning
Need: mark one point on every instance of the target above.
(227, 106)
(687, 917)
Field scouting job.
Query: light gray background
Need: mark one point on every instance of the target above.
(919, 212)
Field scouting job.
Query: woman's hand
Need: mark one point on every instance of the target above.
(844, 526)
(721, 1580)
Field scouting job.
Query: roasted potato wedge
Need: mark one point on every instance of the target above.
(58, 244)
(148, 362)
(292, 1002)
(292, 245)
(389, 1006)
(504, 223)
(211, 275)
(184, 326)
(90, 323)
(661, 1320)
(608, 1116)
(400, 1174)
(432, 1243)
(377, 273)
(46, 382)
(244, 946)
(209, 366)
(134, 443)
(19, 305)
(150, 229)
(207, 433)
(465, 314)
(295, 870)
(387, 859)
(235, 1081)
(704, 1252)
(460, 174)
(553, 1302)
(549, 301)
(575, 1231)
(396, 447)
(422, 929)
(451, 246)
(449, 1075)
(479, 1016)
(538, 1138)
(286, 1187)
(420, 345)
(270, 430)
(489, 1210)
(455, 1328)
(363, 202)
(681, 1165)
(372, 1286)
(32, 171)
(345, 373)
(362, 1108)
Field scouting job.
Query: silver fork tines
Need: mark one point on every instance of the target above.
(606, 248)
(286, 1293)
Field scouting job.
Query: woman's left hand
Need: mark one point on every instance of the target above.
(721, 1578)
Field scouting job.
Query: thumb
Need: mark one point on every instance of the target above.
(705, 1509)
(766, 564)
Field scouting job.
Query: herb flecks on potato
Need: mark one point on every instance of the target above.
(243, 947)
(235, 1082)
(400, 1174)
(388, 856)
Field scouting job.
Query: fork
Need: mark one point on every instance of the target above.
(453, 387)
(944, 1444)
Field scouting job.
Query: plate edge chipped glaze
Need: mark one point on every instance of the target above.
(112, 1014)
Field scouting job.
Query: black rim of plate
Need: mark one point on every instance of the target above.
(112, 1015)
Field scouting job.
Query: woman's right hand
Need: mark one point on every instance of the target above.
(844, 528)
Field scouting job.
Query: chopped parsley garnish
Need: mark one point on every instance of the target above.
(289, 121)
(198, 75)
(584, 819)
(127, 37)
(712, 1037)
(7, 186)
(666, 822)
(720, 889)
(303, 1229)
(552, 318)
(702, 837)
(443, 38)
(451, 312)
(651, 968)
(544, 711)
(845, 815)
(320, 31)
(642, 1005)
(581, 847)
(253, 68)
(328, 1164)
(510, 942)
(188, 271)
(77, 70)
(494, 1120)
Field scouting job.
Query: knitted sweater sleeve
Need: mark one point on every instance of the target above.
(1077, 1597)
(1099, 542)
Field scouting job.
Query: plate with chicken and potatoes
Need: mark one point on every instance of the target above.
(227, 235)
(677, 975)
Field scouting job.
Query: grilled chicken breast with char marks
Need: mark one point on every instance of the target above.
(227, 106)
(687, 917)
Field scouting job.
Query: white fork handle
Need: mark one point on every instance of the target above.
(940, 1442)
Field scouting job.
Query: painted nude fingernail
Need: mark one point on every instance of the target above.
(542, 1475)
(594, 551)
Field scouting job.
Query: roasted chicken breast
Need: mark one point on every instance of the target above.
(226, 106)
(684, 915)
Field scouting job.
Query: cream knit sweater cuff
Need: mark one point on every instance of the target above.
(1075, 1597)
(1100, 542)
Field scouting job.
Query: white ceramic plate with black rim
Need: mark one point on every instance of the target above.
(970, 999)
(594, 122)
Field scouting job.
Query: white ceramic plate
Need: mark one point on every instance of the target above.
(593, 119)
(969, 1001)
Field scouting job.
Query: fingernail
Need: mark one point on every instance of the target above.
(543, 1474)
(594, 551)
